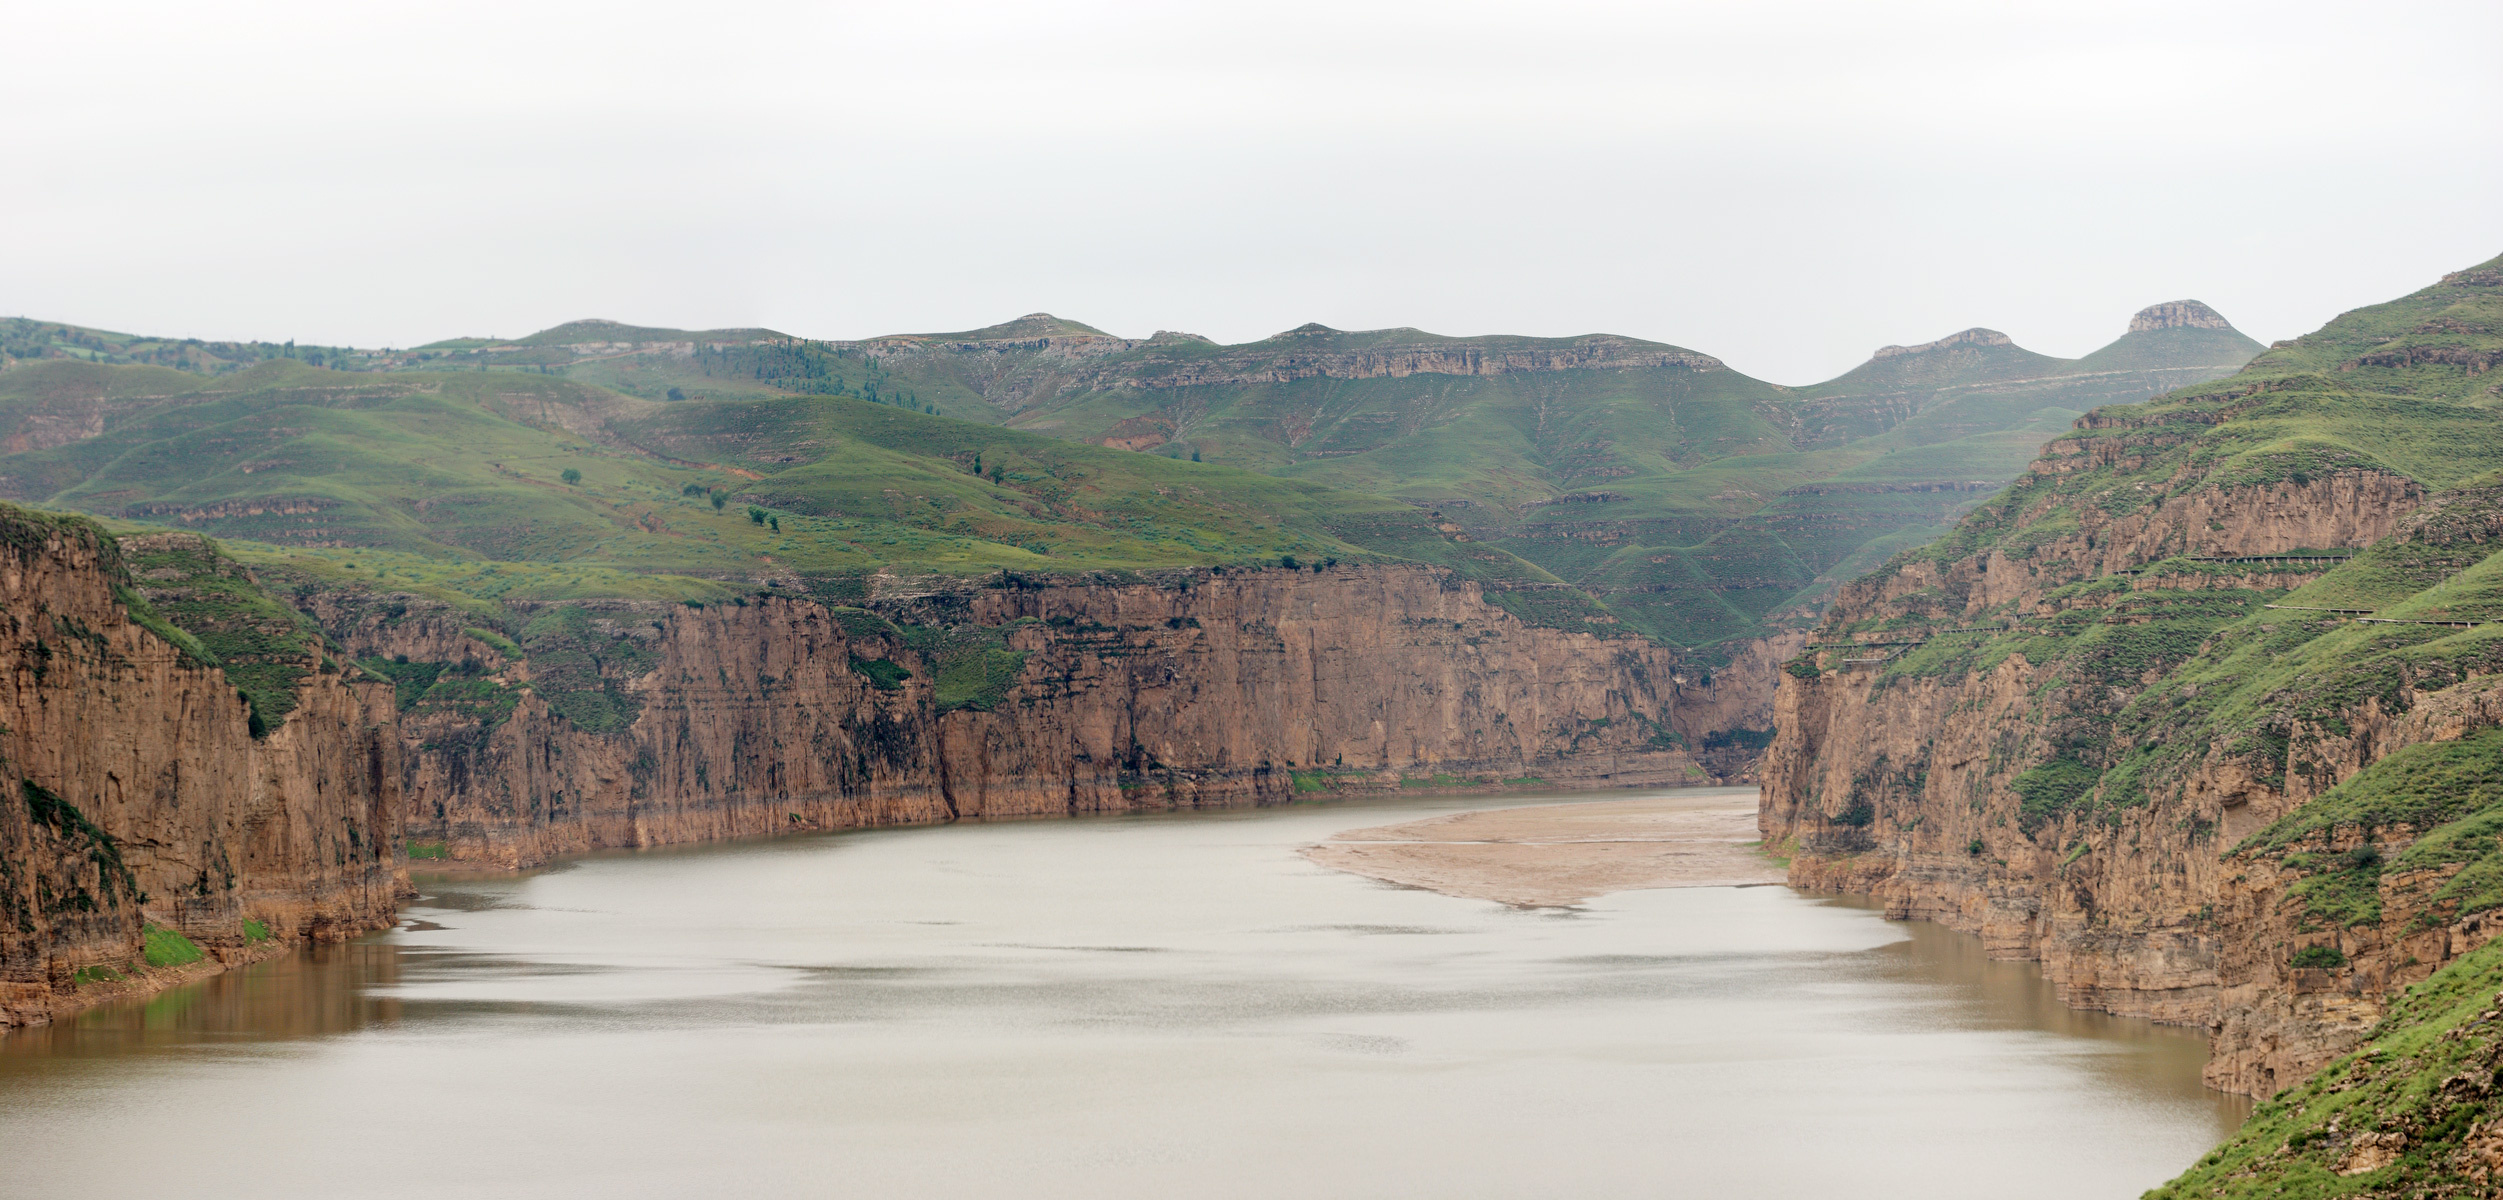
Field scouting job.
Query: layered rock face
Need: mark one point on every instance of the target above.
(2197, 714)
(136, 793)
(1924, 783)
(1202, 690)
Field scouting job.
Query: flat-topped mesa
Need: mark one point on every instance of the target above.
(2177, 314)
(1318, 351)
(1311, 350)
(1975, 336)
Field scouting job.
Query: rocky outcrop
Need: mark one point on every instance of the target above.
(1976, 336)
(2177, 314)
(1317, 351)
(1033, 358)
(1205, 689)
(138, 796)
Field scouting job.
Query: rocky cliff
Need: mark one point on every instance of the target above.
(153, 820)
(1030, 360)
(2198, 714)
(603, 725)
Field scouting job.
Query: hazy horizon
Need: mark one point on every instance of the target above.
(1785, 188)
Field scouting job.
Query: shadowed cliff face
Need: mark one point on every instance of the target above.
(2195, 713)
(783, 714)
(137, 793)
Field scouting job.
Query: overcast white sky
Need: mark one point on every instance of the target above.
(1786, 186)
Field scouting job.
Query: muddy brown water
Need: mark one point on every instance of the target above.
(1118, 1007)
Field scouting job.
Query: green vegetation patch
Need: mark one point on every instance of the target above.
(971, 665)
(580, 665)
(2050, 790)
(884, 674)
(2326, 958)
(45, 809)
(422, 851)
(2339, 890)
(409, 680)
(1319, 780)
(167, 947)
(265, 646)
(469, 695)
(2414, 788)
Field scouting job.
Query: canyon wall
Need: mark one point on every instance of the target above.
(2195, 714)
(138, 795)
(775, 714)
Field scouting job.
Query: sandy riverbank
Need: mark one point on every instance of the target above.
(1562, 854)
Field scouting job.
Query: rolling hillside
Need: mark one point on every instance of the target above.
(495, 484)
(1695, 503)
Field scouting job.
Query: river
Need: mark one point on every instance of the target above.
(1108, 1007)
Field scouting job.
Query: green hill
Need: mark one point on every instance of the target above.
(1695, 502)
(501, 483)
(24, 341)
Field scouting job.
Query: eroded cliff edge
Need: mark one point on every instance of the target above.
(617, 724)
(250, 762)
(159, 821)
(2202, 715)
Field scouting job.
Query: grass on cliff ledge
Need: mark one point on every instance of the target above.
(2410, 1113)
(166, 947)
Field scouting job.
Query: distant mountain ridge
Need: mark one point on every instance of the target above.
(1695, 501)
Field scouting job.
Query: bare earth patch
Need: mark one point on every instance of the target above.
(1562, 854)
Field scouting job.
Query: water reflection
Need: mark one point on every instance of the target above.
(1969, 990)
(316, 992)
(1126, 1007)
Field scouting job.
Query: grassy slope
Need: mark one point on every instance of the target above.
(1706, 528)
(24, 341)
(1714, 516)
(454, 482)
(2422, 1085)
(1810, 519)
